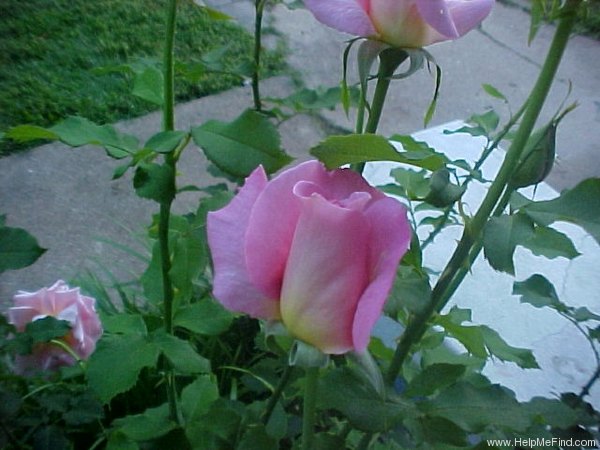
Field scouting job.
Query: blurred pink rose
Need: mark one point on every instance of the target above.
(402, 23)
(63, 303)
(315, 249)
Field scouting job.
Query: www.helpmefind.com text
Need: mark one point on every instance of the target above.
(544, 442)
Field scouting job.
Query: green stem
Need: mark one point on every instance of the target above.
(360, 115)
(311, 381)
(285, 377)
(484, 156)
(445, 285)
(259, 9)
(165, 206)
(586, 389)
(169, 69)
(388, 63)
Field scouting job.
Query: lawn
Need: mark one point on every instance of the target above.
(55, 54)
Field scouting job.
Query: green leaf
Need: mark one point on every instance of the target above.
(197, 398)
(537, 16)
(498, 347)
(315, 99)
(83, 409)
(181, 354)
(433, 104)
(215, 14)
(433, 378)
(488, 121)
(155, 182)
(118, 441)
(355, 397)
(500, 238)
(256, 437)
(277, 426)
(26, 133)
(238, 147)
(335, 151)
(411, 291)
(151, 279)
(441, 354)
(583, 315)
(189, 258)
(205, 317)
(116, 363)
(151, 424)
(415, 184)
(50, 438)
(223, 426)
(18, 248)
(46, 329)
(165, 141)
(580, 205)
(475, 408)
(78, 131)
(551, 412)
(437, 430)
(537, 291)
(550, 243)
(124, 324)
(148, 85)
(469, 336)
(417, 149)
(491, 90)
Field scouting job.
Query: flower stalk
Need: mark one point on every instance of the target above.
(276, 395)
(311, 381)
(165, 206)
(389, 61)
(259, 8)
(446, 285)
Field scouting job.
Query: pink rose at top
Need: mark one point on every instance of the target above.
(402, 23)
(317, 250)
(63, 303)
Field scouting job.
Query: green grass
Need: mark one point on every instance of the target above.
(51, 50)
(589, 23)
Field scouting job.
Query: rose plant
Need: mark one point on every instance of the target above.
(202, 351)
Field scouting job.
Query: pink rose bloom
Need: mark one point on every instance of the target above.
(402, 23)
(317, 250)
(63, 303)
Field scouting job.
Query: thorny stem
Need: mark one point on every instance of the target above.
(285, 377)
(446, 285)
(311, 381)
(165, 206)
(259, 9)
(586, 389)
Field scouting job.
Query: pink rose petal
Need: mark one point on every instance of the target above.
(325, 275)
(349, 16)
(389, 241)
(226, 231)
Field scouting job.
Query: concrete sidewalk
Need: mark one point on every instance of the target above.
(67, 200)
